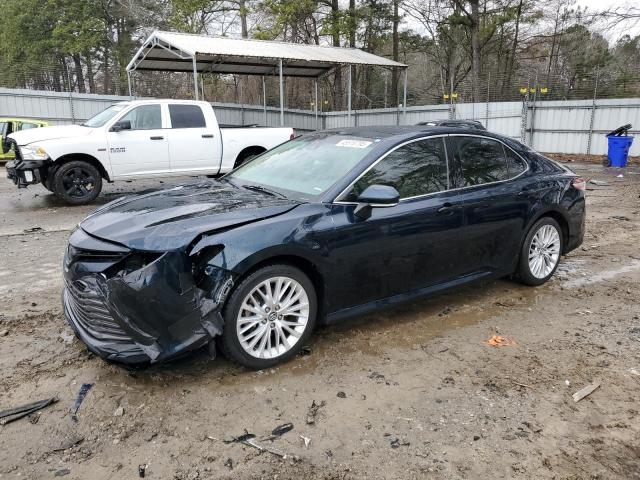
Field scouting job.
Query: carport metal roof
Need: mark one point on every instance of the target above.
(181, 52)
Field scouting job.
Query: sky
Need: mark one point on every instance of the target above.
(632, 27)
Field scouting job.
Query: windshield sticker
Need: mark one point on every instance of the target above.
(353, 143)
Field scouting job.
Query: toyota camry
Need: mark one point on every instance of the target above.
(326, 226)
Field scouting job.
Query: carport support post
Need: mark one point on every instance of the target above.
(315, 102)
(349, 96)
(281, 97)
(404, 97)
(264, 102)
(195, 78)
(129, 82)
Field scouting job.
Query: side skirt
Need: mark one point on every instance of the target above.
(389, 302)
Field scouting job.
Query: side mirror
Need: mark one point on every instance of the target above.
(121, 125)
(376, 196)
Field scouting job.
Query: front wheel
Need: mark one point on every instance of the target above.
(77, 182)
(269, 317)
(541, 250)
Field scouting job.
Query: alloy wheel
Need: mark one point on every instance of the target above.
(78, 182)
(544, 251)
(273, 317)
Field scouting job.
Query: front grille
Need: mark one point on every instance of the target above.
(88, 309)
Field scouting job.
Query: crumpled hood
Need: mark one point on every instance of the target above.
(171, 219)
(25, 137)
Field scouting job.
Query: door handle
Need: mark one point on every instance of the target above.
(446, 209)
(158, 137)
(207, 135)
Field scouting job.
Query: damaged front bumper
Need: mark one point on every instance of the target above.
(24, 173)
(141, 307)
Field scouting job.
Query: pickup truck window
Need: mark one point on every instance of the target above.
(306, 167)
(27, 126)
(186, 116)
(104, 116)
(145, 117)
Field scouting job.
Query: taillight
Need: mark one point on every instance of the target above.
(579, 184)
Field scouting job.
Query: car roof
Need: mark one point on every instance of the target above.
(402, 133)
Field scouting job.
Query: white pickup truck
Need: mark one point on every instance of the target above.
(131, 140)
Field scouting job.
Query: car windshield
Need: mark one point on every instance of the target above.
(304, 168)
(104, 116)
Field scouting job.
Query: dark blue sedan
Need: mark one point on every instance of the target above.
(324, 227)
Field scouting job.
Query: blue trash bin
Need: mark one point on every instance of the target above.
(618, 151)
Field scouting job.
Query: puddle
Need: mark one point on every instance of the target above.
(605, 275)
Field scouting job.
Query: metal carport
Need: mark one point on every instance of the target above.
(180, 52)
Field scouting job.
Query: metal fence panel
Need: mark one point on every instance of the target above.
(551, 126)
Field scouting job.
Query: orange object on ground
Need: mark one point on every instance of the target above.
(500, 341)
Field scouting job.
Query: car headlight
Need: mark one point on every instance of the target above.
(33, 152)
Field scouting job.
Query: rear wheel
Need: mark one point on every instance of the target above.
(541, 250)
(269, 317)
(77, 182)
(247, 155)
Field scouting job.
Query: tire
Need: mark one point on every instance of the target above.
(244, 157)
(606, 162)
(270, 349)
(541, 252)
(48, 181)
(77, 182)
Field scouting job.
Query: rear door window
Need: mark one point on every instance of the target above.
(186, 116)
(515, 164)
(27, 126)
(415, 169)
(478, 160)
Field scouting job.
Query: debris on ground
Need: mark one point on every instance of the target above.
(620, 217)
(62, 472)
(397, 443)
(599, 183)
(84, 389)
(4, 333)
(500, 341)
(312, 413)
(567, 382)
(305, 350)
(66, 337)
(341, 395)
(282, 429)
(119, 412)
(142, 470)
(306, 440)
(72, 442)
(228, 463)
(585, 392)
(248, 439)
(16, 413)
(33, 230)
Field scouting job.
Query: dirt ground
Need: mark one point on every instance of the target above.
(413, 392)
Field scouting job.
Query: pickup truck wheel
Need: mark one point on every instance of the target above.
(77, 182)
